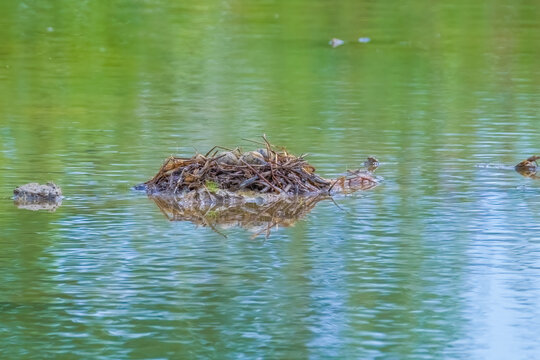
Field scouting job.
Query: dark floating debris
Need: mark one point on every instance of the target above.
(268, 185)
(34, 196)
(528, 167)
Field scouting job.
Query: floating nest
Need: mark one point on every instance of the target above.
(259, 189)
(264, 171)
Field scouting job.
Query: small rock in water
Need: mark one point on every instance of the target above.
(34, 196)
(34, 192)
(364, 40)
(335, 42)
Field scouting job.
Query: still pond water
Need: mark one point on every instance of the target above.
(441, 261)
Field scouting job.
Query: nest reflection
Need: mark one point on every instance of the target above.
(258, 216)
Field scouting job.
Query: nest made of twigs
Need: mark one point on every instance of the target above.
(266, 171)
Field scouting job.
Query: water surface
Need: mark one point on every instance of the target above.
(440, 261)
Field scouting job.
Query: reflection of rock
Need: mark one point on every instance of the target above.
(34, 196)
(259, 213)
(34, 206)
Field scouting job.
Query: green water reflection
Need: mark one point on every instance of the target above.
(441, 261)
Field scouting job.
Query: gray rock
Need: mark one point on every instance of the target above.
(36, 193)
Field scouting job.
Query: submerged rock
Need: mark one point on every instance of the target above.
(34, 196)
